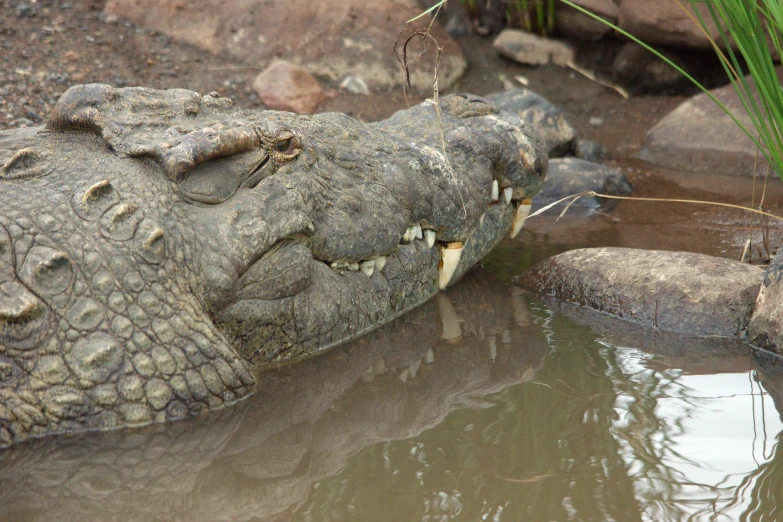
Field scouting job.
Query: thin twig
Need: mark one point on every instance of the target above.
(425, 36)
(661, 200)
(590, 76)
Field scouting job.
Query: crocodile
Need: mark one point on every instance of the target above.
(159, 247)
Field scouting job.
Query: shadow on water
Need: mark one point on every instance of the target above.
(483, 404)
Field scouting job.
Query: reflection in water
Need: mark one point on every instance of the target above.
(481, 405)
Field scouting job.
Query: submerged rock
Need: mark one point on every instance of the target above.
(679, 292)
(548, 120)
(569, 176)
(588, 150)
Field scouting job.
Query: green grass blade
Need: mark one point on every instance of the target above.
(669, 62)
(431, 9)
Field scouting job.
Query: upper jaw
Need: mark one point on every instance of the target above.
(352, 236)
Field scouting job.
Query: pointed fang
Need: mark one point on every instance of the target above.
(449, 257)
(495, 190)
(508, 193)
(520, 215)
(418, 232)
(380, 262)
(430, 236)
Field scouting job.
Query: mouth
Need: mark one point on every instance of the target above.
(290, 303)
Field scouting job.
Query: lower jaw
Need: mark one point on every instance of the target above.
(339, 306)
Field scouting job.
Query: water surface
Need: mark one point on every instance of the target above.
(484, 404)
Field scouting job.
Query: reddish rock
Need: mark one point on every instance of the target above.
(571, 22)
(287, 87)
(664, 22)
(330, 38)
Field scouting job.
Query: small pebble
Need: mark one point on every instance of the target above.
(24, 10)
(355, 85)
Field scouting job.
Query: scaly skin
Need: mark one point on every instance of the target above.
(156, 247)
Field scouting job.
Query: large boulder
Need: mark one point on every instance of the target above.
(666, 23)
(660, 22)
(766, 325)
(678, 292)
(571, 22)
(698, 136)
(330, 38)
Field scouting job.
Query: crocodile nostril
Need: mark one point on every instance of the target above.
(540, 167)
(47, 271)
(23, 317)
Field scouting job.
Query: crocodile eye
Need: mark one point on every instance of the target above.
(285, 146)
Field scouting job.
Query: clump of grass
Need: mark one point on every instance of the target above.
(531, 15)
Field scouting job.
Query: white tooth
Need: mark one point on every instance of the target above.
(353, 267)
(334, 265)
(449, 257)
(380, 262)
(403, 376)
(418, 232)
(520, 216)
(451, 330)
(495, 190)
(508, 193)
(368, 267)
(368, 375)
(493, 348)
(409, 235)
(413, 369)
(430, 357)
(430, 237)
(481, 219)
(380, 367)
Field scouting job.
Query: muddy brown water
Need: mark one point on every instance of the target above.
(483, 404)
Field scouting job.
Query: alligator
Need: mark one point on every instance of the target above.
(157, 248)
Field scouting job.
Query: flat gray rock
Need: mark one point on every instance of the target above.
(568, 176)
(548, 120)
(678, 292)
(766, 325)
(531, 49)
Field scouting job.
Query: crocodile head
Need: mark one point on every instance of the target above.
(156, 247)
